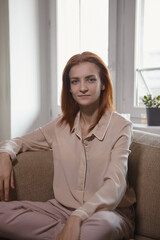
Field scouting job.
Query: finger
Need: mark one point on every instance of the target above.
(1, 191)
(12, 180)
(6, 189)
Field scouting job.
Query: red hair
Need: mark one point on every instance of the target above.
(69, 107)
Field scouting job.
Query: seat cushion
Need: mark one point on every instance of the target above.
(138, 237)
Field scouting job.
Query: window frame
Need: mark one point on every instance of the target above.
(126, 80)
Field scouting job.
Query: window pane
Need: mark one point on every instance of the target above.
(67, 35)
(82, 25)
(147, 49)
(94, 27)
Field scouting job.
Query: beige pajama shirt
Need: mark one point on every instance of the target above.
(90, 175)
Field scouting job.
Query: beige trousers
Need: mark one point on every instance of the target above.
(25, 220)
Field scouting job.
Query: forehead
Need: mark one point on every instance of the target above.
(84, 69)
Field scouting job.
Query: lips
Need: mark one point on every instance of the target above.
(83, 95)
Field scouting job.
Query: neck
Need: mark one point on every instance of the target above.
(88, 116)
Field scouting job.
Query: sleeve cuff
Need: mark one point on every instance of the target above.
(80, 213)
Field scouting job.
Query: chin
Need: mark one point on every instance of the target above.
(93, 104)
(84, 103)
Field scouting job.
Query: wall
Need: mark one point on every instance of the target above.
(4, 72)
(29, 64)
(25, 86)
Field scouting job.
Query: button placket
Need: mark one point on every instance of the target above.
(85, 145)
(82, 170)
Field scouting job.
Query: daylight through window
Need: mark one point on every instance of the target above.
(147, 49)
(82, 25)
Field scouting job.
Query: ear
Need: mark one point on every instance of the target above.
(103, 87)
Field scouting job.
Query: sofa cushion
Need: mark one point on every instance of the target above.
(138, 237)
(144, 176)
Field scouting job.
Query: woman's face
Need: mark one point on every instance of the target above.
(85, 84)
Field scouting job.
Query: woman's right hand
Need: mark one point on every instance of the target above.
(6, 176)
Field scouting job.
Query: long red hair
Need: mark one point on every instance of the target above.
(69, 107)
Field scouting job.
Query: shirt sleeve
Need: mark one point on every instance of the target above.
(111, 193)
(40, 139)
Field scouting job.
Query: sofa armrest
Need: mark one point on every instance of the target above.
(33, 174)
(144, 177)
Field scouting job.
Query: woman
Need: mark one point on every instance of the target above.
(90, 143)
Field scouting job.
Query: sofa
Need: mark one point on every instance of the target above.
(33, 172)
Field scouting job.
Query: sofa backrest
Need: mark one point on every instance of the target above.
(144, 176)
(33, 172)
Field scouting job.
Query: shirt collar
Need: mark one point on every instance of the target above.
(99, 130)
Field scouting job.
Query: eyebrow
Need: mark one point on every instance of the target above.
(88, 76)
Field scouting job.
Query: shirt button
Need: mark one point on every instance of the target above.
(85, 144)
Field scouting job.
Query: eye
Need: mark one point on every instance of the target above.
(74, 81)
(91, 80)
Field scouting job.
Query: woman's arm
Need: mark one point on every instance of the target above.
(40, 139)
(6, 176)
(111, 193)
(71, 229)
(33, 141)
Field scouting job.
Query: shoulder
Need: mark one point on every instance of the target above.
(51, 126)
(121, 121)
(56, 127)
(120, 126)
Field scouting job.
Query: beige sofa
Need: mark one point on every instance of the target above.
(34, 174)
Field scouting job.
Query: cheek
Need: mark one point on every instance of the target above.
(73, 92)
(71, 89)
(74, 89)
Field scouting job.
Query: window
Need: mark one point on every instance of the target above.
(138, 55)
(82, 25)
(147, 49)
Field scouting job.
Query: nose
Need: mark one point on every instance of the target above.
(83, 87)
